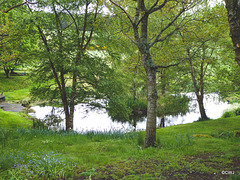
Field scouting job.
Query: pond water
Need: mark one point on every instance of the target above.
(87, 119)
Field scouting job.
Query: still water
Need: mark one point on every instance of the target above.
(87, 119)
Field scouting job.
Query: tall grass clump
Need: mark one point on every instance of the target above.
(176, 141)
(106, 135)
(35, 165)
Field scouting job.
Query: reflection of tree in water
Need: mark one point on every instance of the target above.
(172, 105)
(168, 105)
(133, 119)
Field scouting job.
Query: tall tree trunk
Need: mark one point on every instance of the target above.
(233, 9)
(150, 136)
(150, 69)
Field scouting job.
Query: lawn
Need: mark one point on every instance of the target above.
(14, 88)
(201, 150)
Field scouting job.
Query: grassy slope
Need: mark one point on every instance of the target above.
(11, 120)
(14, 88)
(201, 150)
(178, 155)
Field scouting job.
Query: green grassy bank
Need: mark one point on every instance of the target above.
(14, 88)
(200, 150)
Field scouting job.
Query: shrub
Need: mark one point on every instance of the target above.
(237, 111)
(237, 133)
(228, 114)
(231, 113)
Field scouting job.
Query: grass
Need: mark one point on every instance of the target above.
(200, 150)
(11, 120)
(14, 88)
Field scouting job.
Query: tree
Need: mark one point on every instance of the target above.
(72, 66)
(17, 39)
(233, 9)
(201, 49)
(138, 23)
(15, 42)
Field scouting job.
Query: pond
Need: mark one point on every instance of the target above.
(87, 119)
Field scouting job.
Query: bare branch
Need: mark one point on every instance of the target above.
(125, 12)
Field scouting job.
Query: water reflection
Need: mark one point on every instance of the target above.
(87, 119)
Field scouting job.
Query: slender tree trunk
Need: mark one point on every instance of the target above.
(150, 136)
(233, 9)
(163, 92)
(198, 88)
(150, 69)
(162, 123)
(201, 107)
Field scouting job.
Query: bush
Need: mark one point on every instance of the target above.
(228, 114)
(231, 113)
(237, 111)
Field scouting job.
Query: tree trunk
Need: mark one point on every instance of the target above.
(198, 88)
(233, 9)
(162, 123)
(150, 136)
(201, 107)
(7, 72)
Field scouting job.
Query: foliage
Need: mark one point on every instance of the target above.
(173, 105)
(17, 41)
(15, 88)
(67, 68)
(231, 113)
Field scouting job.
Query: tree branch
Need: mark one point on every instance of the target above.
(91, 33)
(2, 2)
(125, 12)
(153, 8)
(168, 35)
(16, 6)
(131, 39)
(171, 65)
(166, 27)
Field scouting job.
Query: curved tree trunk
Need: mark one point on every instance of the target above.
(201, 107)
(233, 9)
